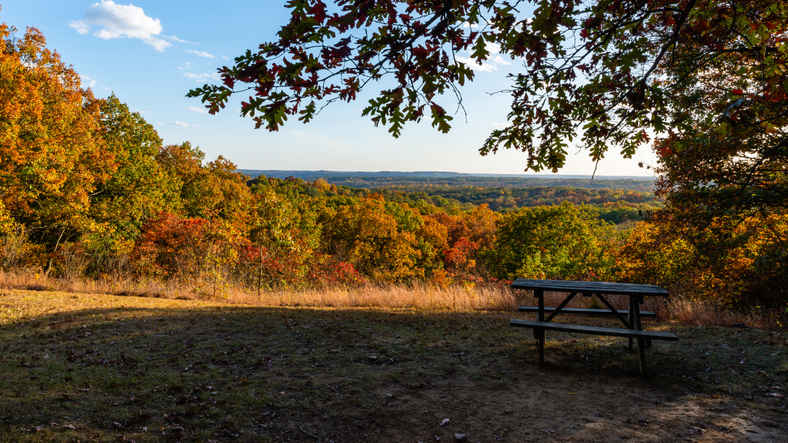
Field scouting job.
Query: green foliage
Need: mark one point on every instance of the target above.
(137, 190)
(283, 238)
(555, 242)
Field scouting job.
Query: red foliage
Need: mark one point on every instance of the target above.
(170, 245)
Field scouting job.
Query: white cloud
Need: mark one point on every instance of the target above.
(487, 67)
(175, 39)
(203, 77)
(119, 21)
(201, 54)
(80, 26)
(88, 81)
(185, 125)
(197, 109)
(501, 125)
(491, 64)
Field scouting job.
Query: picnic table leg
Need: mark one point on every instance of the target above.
(642, 355)
(540, 334)
(638, 324)
(631, 317)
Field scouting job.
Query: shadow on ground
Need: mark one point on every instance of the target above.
(131, 369)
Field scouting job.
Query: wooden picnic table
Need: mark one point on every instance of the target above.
(632, 322)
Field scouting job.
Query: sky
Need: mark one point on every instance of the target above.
(151, 53)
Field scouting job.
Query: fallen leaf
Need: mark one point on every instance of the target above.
(445, 421)
(460, 437)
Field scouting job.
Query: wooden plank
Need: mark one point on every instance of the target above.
(579, 311)
(589, 286)
(614, 332)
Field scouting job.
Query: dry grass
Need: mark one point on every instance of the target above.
(422, 296)
(418, 296)
(696, 312)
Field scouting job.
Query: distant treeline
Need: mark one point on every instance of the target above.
(611, 205)
(429, 180)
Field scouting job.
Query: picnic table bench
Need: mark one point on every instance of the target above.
(631, 317)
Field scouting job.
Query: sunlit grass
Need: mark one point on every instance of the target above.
(423, 296)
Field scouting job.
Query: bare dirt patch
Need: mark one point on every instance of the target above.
(109, 368)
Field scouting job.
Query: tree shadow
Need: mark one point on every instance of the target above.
(309, 374)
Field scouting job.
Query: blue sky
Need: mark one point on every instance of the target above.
(151, 53)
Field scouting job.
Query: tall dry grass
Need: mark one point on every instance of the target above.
(459, 297)
(701, 313)
(415, 295)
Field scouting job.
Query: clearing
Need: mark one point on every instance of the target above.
(110, 368)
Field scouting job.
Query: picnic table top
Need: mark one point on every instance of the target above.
(589, 287)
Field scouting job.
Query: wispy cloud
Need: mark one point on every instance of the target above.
(493, 62)
(201, 54)
(121, 21)
(88, 81)
(185, 125)
(197, 109)
(175, 39)
(201, 77)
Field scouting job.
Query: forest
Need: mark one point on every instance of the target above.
(148, 293)
(88, 190)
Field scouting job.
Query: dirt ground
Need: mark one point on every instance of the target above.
(538, 405)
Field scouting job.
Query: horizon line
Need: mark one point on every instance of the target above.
(467, 174)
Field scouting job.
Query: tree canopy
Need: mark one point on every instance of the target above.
(598, 73)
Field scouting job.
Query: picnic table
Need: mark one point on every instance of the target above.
(631, 317)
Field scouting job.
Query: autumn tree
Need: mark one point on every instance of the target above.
(704, 82)
(376, 238)
(283, 236)
(138, 189)
(738, 265)
(51, 154)
(212, 190)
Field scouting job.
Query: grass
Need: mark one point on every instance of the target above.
(98, 367)
(497, 297)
